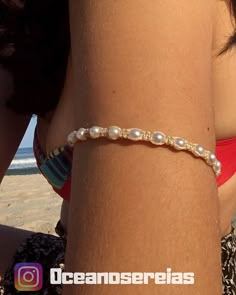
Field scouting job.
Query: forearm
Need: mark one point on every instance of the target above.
(12, 133)
(12, 129)
(134, 207)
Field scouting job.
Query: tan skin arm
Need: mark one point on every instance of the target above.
(135, 208)
(12, 126)
(12, 129)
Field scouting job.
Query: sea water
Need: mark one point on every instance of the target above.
(23, 163)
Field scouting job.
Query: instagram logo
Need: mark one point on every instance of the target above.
(28, 276)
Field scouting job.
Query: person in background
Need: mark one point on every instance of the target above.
(34, 63)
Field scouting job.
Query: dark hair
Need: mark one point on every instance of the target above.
(232, 39)
(34, 48)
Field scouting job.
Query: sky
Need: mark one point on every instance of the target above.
(27, 140)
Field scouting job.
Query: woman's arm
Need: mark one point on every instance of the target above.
(12, 129)
(135, 208)
(12, 126)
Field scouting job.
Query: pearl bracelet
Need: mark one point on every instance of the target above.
(157, 138)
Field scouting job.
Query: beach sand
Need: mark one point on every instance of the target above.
(28, 202)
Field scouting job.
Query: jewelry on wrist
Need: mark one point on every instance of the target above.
(157, 138)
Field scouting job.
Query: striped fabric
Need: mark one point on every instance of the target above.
(57, 166)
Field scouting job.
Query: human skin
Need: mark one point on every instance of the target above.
(225, 127)
(134, 207)
(12, 128)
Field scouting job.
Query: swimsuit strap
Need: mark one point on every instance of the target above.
(57, 166)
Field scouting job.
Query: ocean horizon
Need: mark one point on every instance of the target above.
(23, 163)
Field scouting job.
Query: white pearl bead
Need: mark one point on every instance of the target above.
(72, 138)
(114, 132)
(135, 134)
(158, 138)
(212, 158)
(179, 143)
(217, 168)
(199, 150)
(94, 131)
(217, 165)
(80, 134)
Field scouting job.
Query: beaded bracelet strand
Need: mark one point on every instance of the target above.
(157, 138)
